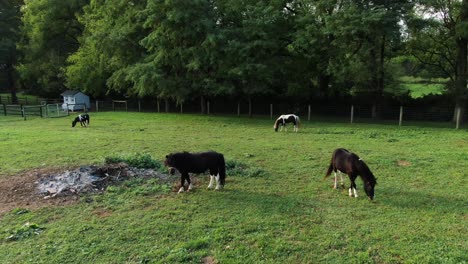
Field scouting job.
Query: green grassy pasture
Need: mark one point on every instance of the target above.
(420, 87)
(288, 215)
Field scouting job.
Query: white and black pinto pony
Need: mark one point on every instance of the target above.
(344, 161)
(186, 163)
(83, 119)
(284, 119)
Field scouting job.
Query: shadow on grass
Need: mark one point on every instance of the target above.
(415, 200)
(261, 203)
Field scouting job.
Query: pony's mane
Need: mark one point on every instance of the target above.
(365, 171)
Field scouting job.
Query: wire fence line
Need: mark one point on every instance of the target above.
(348, 112)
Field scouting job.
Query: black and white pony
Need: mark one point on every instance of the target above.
(344, 161)
(83, 119)
(186, 162)
(284, 119)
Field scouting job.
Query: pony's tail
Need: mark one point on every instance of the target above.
(330, 169)
(222, 171)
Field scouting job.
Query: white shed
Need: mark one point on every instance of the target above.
(75, 100)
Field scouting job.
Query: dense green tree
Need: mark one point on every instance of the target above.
(256, 37)
(439, 38)
(50, 33)
(9, 34)
(110, 43)
(347, 45)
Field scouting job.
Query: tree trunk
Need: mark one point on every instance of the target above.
(461, 91)
(323, 83)
(11, 83)
(250, 107)
(378, 78)
(203, 105)
(166, 104)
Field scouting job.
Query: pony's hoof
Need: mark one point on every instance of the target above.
(209, 187)
(181, 190)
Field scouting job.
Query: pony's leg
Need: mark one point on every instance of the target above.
(342, 181)
(190, 186)
(334, 185)
(212, 179)
(218, 186)
(352, 190)
(182, 181)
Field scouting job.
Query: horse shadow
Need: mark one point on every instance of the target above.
(421, 200)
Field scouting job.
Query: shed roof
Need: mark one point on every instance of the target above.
(69, 93)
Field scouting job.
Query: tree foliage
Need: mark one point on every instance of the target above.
(50, 33)
(176, 49)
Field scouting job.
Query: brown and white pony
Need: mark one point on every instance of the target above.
(284, 119)
(347, 162)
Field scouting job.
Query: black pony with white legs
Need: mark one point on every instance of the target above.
(344, 161)
(284, 119)
(83, 119)
(186, 163)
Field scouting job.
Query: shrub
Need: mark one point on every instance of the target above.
(138, 160)
(25, 231)
(237, 168)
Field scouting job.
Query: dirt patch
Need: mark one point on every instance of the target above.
(54, 187)
(209, 260)
(20, 192)
(102, 213)
(403, 163)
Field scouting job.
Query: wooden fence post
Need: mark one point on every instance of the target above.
(308, 114)
(23, 114)
(401, 116)
(113, 106)
(97, 106)
(157, 105)
(4, 109)
(238, 109)
(208, 107)
(352, 114)
(181, 108)
(139, 106)
(458, 118)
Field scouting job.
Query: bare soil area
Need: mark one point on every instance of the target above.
(20, 191)
(58, 186)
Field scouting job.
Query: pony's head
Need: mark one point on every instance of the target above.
(169, 162)
(369, 188)
(74, 122)
(276, 125)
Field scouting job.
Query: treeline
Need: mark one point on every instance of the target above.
(185, 49)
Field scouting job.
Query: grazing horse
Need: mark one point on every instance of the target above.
(284, 119)
(350, 163)
(83, 119)
(186, 162)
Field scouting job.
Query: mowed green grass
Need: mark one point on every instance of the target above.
(291, 215)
